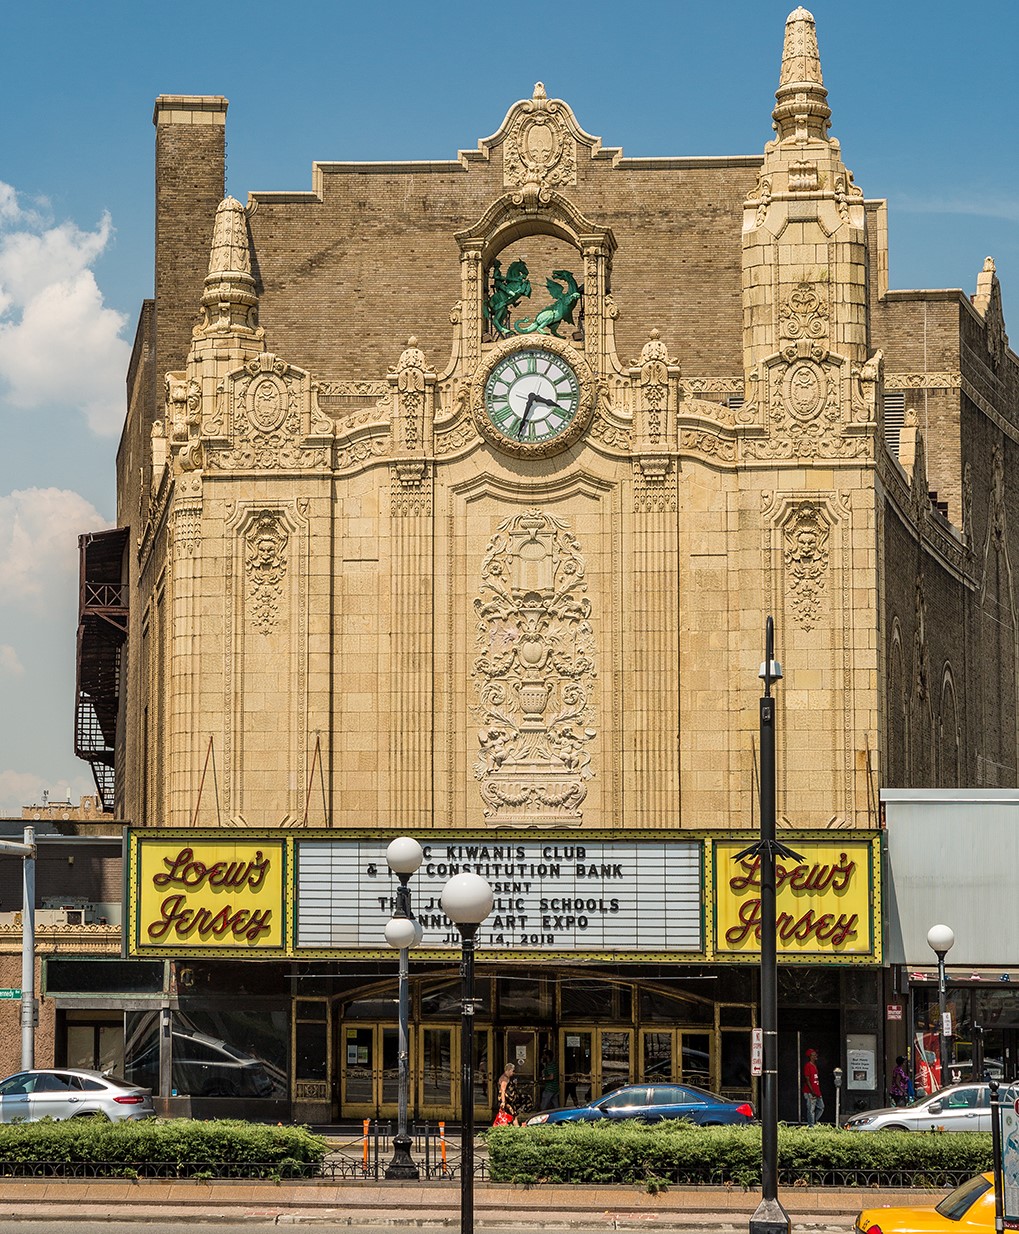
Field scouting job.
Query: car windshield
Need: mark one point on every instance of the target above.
(957, 1203)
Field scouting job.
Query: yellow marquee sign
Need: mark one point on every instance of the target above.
(217, 896)
(826, 904)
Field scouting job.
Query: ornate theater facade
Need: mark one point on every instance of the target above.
(452, 500)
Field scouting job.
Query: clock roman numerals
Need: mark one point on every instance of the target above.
(531, 396)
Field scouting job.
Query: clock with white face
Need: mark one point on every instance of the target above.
(532, 397)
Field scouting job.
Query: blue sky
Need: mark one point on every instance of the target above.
(923, 100)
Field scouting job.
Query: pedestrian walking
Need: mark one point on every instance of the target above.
(549, 1081)
(898, 1090)
(813, 1102)
(509, 1093)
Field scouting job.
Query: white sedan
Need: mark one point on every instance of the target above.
(959, 1107)
(65, 1092)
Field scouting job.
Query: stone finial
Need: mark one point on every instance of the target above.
(230, 252)
(229, 302)
(987, 302)
(539, 90)
(986, 279)
(801, 110)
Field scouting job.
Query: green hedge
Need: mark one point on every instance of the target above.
(157, 1148)
(633, 1153)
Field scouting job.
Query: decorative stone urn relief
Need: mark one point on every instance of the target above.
(534, 674)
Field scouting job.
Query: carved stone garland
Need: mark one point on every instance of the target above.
(534, 674)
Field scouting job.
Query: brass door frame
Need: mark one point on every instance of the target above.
(591, 1085)
(677, 1072)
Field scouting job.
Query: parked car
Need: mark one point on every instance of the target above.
(959, 1107)
(651, 1103)
(64, 1092)
(968, 1209)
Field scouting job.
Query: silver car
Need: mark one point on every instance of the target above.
(64, 1092)
(959, 1107)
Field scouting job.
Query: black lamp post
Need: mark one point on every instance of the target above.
(941, 940)
(467, 900)
(770, 1217)
(404, 856)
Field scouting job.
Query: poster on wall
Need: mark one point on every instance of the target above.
(861, 1062)
(1010, 1164)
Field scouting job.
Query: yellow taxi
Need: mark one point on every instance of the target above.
(968, 1209)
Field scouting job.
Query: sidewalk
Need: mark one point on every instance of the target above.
(431, 1205)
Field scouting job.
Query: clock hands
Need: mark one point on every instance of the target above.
(533, 398)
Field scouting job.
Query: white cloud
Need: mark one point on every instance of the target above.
(10, 663)
(39, 529)
(59, 344)
(17, 789)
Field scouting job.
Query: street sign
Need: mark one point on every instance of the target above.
(946, 1024)
(894, 1011)
(757, 1051)
(10, 993)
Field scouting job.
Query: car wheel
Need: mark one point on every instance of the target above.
(96, 1116)
(896, 1127)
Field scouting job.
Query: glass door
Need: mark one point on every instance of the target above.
(435, 1081)
(677, 1054)
(520, 1047)
(595, 1061)
(357, 1082)
(614, 1049)
(439, 1083)
(577, 1053)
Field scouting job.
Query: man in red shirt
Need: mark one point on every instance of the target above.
(813, 1102)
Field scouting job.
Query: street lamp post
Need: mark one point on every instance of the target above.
(404, 856)
(467, 900)
(941, 940)
(770, 1217)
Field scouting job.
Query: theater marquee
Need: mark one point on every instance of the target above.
(649, 897)
(826, 903)
(213, 894)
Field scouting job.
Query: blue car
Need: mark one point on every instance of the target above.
(651, 1103)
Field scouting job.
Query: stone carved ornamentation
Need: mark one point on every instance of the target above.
(921, 656)
(847, 194)
(804, 315)
(653, 380)
(803, 177)
(866, 385)
(987, 302)
(804, 415)
(265, 565)
(805, 389)
(806, 561)
(534, 674)
(761, 198)
(540, 153)
(654, 485)
(410, 488)
(410, 394)
(275, 420)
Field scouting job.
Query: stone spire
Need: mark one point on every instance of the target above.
(229, 301)
(801, 108)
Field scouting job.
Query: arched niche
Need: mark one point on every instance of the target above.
(508, 222)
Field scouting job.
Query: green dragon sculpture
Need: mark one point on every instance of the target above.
(564, 299)
(507, 291)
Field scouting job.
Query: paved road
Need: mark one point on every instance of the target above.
(324, 1225)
